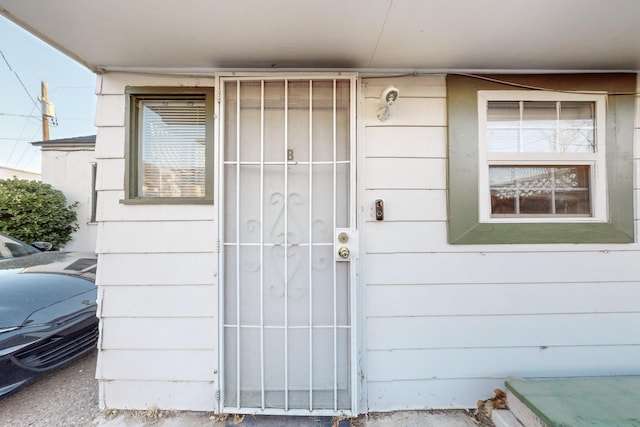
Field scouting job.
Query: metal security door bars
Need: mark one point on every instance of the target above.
(286, 303)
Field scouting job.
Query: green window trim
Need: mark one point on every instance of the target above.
(462, 180)
(132, 161)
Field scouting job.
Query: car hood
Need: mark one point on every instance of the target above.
(33, 283)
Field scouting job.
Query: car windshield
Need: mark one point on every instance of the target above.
(13, 248)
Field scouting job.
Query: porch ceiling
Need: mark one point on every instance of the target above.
(331, 34)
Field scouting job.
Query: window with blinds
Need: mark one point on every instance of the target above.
(171, 145)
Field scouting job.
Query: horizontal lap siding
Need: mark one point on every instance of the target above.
(125, 269)
(159, 333)
(509, 299)
(548, 330)
(445, 324)
(157, 279)
(465, 363)
(159, 237)
(502, 267)
(158, 365)
(177, 395)
(172, 301)
(432, 393)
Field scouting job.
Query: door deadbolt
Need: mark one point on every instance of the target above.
(344, 252)
(343, 237)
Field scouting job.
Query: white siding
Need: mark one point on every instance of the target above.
(157, 279)
(178, 395)
(444, 324)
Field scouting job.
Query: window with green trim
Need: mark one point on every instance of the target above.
(542, 156)
(170, 145)
(540, 159)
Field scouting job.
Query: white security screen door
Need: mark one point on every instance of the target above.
(288, 209)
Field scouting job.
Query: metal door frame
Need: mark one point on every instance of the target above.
(354, 339)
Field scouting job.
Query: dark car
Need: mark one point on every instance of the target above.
(47, 311)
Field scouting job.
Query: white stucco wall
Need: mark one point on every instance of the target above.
(441, 325)
(70, 172)
(9, 173)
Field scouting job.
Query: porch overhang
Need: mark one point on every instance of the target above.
(384, 35)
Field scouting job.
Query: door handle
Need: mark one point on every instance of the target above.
(344, 252)
(345, 245)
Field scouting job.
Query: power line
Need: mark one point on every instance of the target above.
(26, 149)
(15, 144)
(19, 79)
(35, 105)
(14, 139)
(19, 115)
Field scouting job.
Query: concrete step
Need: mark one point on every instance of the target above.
(504, 418)
(575, 402)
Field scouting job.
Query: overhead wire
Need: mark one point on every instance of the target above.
(26, 149)
(30, 115)
(532, 87)
(19, 115)
(15, 144)
(31, 98)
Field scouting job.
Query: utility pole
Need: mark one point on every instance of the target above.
(48, 111)
(45, 118)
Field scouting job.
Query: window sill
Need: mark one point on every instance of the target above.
(166, 201)
(541, 233)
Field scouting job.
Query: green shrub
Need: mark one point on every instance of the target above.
(33, 211)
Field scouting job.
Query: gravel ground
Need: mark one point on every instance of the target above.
(67, 397)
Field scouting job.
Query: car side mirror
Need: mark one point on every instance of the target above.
(42, 246)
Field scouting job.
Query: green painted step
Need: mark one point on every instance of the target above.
(578, 402)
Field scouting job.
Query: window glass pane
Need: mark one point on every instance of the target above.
(172, 145)
(503, 140)
(577, 127)
(94, 192)
(503, 124)
(539, 140)
(577, 113)
(540, 114)
(540, 190)
(539, 122)
(576, 141)
(541, 127)
(503, 114)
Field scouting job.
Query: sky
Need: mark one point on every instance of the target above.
(26, 61)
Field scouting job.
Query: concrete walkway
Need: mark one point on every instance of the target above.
(448, 418)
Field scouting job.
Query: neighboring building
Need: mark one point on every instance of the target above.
(69, 165)
(10, 173)
(339, 207)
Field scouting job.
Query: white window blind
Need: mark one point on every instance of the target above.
(172, 148)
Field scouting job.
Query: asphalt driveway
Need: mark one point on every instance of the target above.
(67, 397)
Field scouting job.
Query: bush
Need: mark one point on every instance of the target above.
(33, 211)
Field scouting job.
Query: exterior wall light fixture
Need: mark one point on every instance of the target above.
(389, 97)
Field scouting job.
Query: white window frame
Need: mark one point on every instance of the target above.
(596, 161)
